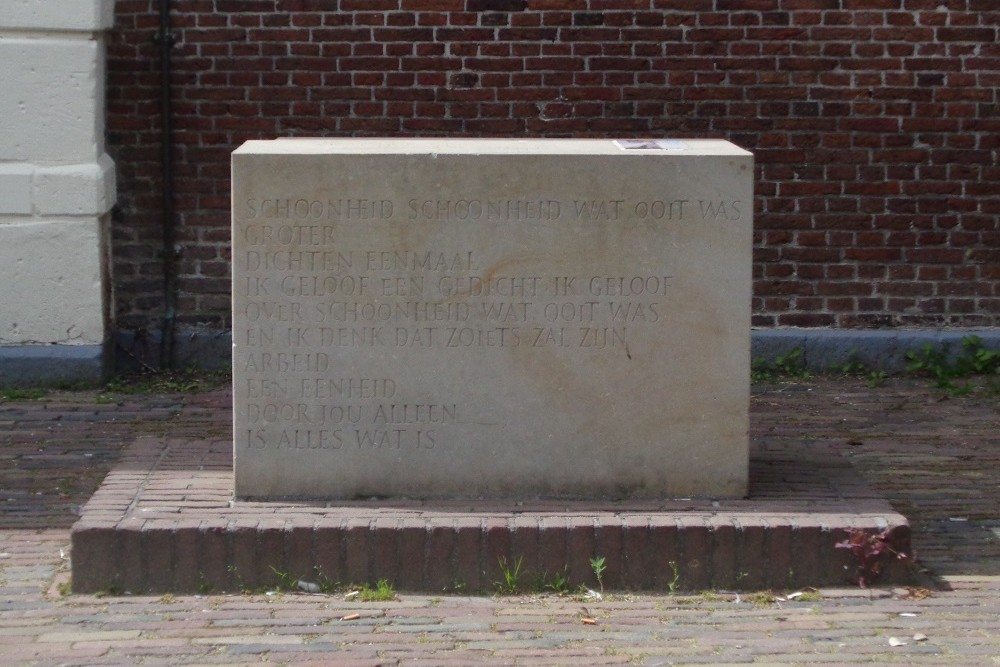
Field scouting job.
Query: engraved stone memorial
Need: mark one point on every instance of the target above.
(433, 318)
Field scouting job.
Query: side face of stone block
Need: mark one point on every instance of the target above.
(491, 318)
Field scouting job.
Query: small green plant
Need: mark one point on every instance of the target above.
(932, 362)
(854, 367)
(64, 486)
(760, 599)
(204, 586)
(810, 595)
(65, 588)
(676, 571)
(190, 380)
(23, 393)
(382, 592)
(326, 585)
(559, 583)
(789, 366)
(319, 583)
(237, 578)
(511, 574)
(937, 364)
(286, 582)
(598, 565)
(106, 399)
(975, 359)
(875, 379)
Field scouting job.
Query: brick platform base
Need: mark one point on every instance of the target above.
(164, 520)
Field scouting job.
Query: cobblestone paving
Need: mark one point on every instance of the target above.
(937, 460)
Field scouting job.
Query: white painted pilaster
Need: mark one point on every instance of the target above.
(57, 185)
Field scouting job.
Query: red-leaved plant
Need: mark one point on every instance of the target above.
(873, 551)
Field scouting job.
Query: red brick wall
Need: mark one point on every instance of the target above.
(875, 123)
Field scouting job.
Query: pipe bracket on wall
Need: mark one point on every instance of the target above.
(165, 38)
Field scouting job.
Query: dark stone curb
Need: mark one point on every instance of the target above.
(164, 521)
(880, 349)
(48, 365)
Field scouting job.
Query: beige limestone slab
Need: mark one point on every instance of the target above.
(506, 318)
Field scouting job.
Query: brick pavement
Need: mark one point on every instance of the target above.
(937, 460)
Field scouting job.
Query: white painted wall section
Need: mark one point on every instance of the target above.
(54, 267)
(57, 185)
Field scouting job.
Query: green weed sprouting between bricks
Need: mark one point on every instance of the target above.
(559, 583)
(205, 587)
(382, 592)
(929, 361)
(672, 584)
(517, 579)
(598, 566)
(937, 364)
(22, 394)
(320, 583)
(511, 574)
(189, 380)
(286, 582)
(787, 366)
(854, 367)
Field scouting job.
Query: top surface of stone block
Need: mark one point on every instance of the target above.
(393, 146)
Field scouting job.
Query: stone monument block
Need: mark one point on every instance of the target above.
(491, 318)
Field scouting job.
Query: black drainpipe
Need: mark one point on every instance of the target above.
(165, 39)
